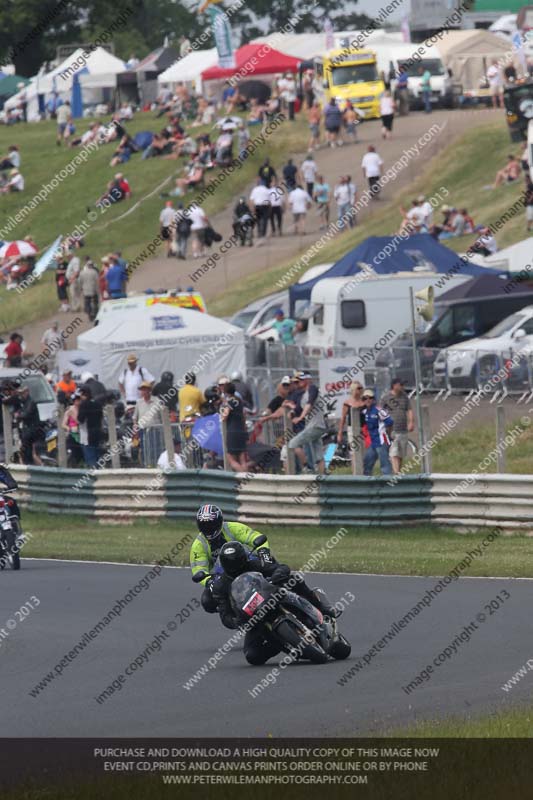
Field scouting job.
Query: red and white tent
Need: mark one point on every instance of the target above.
(258, 58)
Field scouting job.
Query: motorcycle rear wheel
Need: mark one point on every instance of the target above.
(10, 544)
(292, 636)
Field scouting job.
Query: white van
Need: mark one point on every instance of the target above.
(392, 57)
(358, 312)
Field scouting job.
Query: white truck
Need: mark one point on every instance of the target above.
(366, 312)
(393, 56)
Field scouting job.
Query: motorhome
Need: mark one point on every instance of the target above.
(356, 312)
(392, 59)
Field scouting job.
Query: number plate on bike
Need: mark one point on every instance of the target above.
(250, 606)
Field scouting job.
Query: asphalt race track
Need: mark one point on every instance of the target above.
(306, 700)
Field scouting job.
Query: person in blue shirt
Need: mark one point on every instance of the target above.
(117, 278)
(426, 88)
(378, 425)
(283, 325)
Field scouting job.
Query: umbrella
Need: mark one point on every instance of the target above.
(228, 123)
(255, 90)
(17, 249)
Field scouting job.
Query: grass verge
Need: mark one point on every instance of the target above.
(513, 723)
(423, 550)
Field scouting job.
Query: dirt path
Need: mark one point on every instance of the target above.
(163, 273)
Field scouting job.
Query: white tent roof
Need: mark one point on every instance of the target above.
(166, 338)
(190, 67)
(308, 45)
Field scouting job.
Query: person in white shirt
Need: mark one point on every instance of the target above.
(131, 379)
(341, 193)
(371, 164)
(309, 170)
(299, 202)
(167, 226)
(386, 110)
(494, 77)
(289, 94)
(427, 211)
(199, 223)
(260, 200)
(413, 220)
(52, 341)
(164, 464)
(15, 183)
(73, 279)
(352, 191)
(277, 206)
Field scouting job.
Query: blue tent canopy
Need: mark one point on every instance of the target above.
(389, 254)
(76, 99)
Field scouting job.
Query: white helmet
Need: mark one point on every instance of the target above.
(236, 376)
(86, 376)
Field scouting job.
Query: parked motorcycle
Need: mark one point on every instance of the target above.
(11, 536)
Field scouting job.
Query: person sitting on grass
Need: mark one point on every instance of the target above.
(509, 173)
(12, 160)
(14, 184)
(193, 177)
(118, 189)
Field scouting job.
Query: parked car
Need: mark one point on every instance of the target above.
(472, 363)
(40, 390)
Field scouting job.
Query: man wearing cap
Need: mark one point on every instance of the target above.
(315, 426)
(131, 379)
(377, 435)
(398, 406)
(274, 408)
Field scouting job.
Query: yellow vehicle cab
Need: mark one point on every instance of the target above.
(352, 74)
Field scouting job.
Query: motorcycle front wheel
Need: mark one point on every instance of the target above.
(292, 636)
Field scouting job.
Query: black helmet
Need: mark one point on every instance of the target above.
(167, 377)
(209, 520)
(233, 558)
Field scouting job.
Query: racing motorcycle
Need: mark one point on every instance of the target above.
(11, 536)
(289, 620)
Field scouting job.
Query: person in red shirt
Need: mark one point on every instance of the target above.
(13, 351)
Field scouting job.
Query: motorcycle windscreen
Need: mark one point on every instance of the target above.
(249, 592)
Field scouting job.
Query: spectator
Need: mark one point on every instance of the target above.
(315, 426)
(103, 288)
(352, 191)
(494, 78)
(117, 278)
(166, 226)
(414, 220)
(183, 231)
(469, 222)
(386, 110)
(284, 326)
(168, 394)
(485, 244)
(308, 89)
(62, 119)
(289, 94)
(333, 120)
(66, 387)
(228, 94)
(371, 165)
(511, 172)
(73, 279)
(52, 340)
(164, 464)
(199, 225)
(290, 175)
(131, 379)
(28, 415)
(427, 211)
(341, 193)
(354, 400)
(90, 417)
(314, 115)
(98, 391)
(425, 87)
(397, 404)
(529, 202)
(455, 225)
(274, 409)
(12, 160)
(232, 411)
(277, 207)
(309, 171)
(13, 351)
(190, 397)
(71, 426)
(147, 409)
(243, 138)
(267, 173)
(15, 182)
(89, 278)
(377, 439)
(61, 285)
(351, 121)
(243, 390)
(299, 202)
(260, 200)
(322, 199)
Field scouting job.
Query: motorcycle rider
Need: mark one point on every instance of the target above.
(213, 534)
(243, 222)
(243, 390)
(234, 559)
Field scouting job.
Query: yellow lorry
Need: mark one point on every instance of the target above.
(352, 74)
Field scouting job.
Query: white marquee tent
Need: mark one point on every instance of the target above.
(166, 338)
(189, 68)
